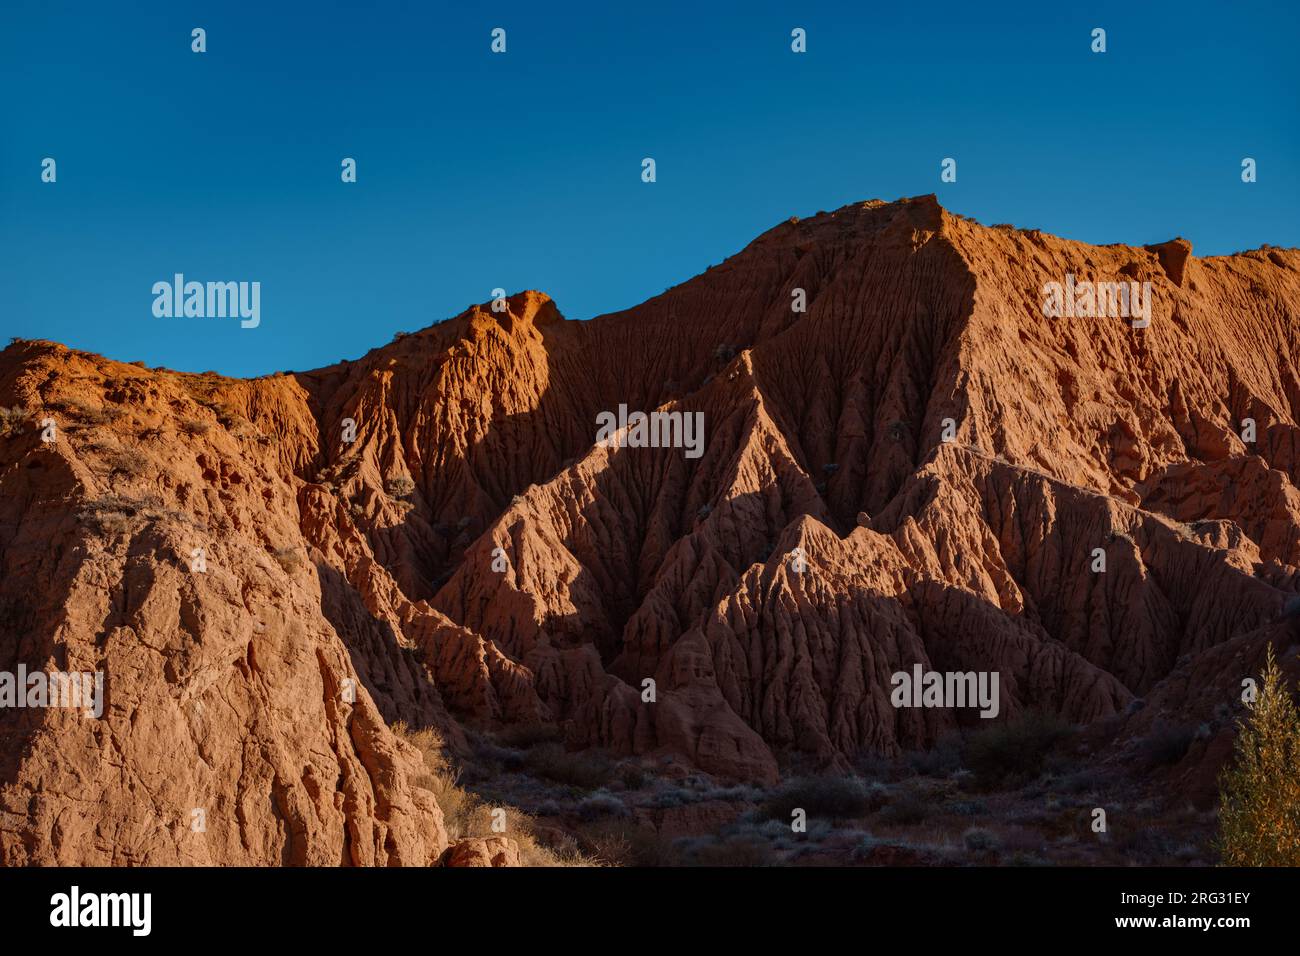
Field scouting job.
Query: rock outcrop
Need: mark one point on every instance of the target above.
(918, 466)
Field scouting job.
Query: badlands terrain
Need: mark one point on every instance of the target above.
(472, 635)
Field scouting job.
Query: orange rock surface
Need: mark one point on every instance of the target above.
(474, 557)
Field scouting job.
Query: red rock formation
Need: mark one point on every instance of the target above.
(528, 574)
(490, 852)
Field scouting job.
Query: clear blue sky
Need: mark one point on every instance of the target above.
(522, 170)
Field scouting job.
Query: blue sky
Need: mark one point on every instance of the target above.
(522, 170)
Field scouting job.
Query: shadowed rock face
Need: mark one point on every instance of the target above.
(827, 537)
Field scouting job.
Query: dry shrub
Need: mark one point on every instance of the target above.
(524, 736)
(226, 414)
(86, 413)
(584, 770)
(825, 797)
(12, 420)
(129, 461)
(465, 815)
(288, 558)
(1012, 753)
(400, 486)
(114, 514)
(624, 843)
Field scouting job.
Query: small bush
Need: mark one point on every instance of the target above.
(632, 777)
(12, 420)
(1167, 745)
(113, 514)
(824, 797)
(905, 810)
(86, 413)
(128, 461)
(193, 426)
(601, 804)
(609, 841)
(466, 815)
(648, 848)
(288, 558)
(866, 848)
(940, 760)
(1012, 753)
(226, 415)
(400, 486)
(585, 771)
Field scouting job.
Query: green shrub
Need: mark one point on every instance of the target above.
(1012, 753)
(1259, 793)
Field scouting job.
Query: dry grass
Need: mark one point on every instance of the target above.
(12, 420)
(113, 515)
(465, 815)
(288, 558)
(90, 414)
(400, 486)
(227, 415)
(128, 461)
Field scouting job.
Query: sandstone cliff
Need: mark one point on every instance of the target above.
(471, 557)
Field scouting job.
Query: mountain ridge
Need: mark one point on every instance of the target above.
(473, 559)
